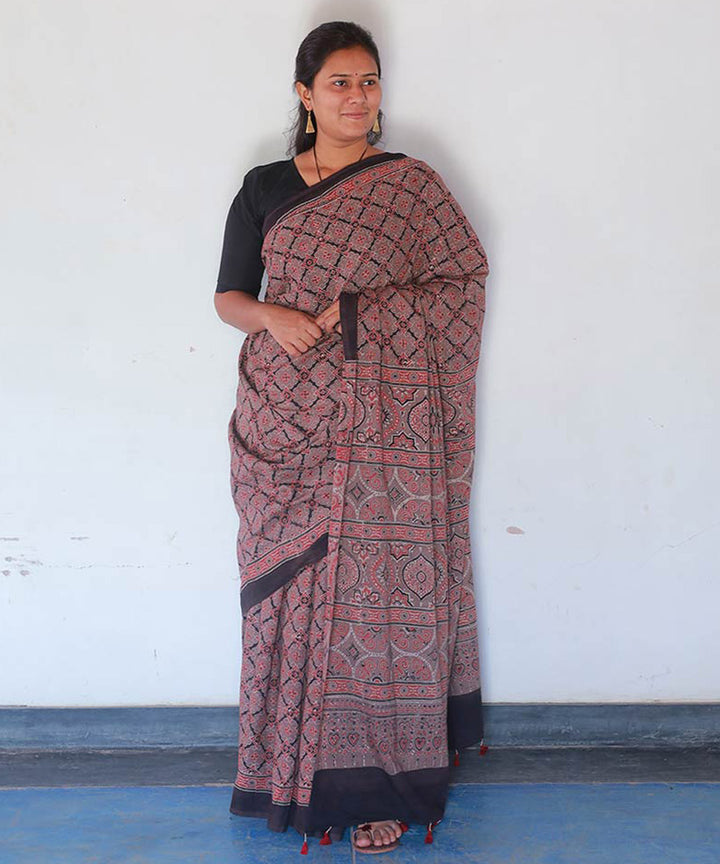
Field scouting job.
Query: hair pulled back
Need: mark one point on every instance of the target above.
(314, 50)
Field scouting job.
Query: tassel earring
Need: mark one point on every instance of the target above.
(376, 125)
(309, 125)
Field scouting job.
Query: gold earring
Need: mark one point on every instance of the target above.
(376, 125)
(309, 125)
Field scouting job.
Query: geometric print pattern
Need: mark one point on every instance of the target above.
(365, 441)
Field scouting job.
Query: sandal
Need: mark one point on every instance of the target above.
(371, 847)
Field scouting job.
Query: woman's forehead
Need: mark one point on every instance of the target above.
(354, 61)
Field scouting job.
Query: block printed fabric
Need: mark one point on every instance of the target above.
(351, 473)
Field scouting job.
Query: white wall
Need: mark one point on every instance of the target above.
(582, 142)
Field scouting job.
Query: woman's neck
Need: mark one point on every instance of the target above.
(332, 157)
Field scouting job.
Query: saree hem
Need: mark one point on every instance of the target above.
(343, 797)
(465, 720)
(278, 818)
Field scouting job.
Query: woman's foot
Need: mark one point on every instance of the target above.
(382, 835)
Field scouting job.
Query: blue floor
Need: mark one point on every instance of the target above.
(495, 823)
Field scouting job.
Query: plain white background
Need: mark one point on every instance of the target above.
(581, 141)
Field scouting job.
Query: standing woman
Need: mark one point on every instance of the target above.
(352, 447)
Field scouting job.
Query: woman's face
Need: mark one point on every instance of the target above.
(345, 95)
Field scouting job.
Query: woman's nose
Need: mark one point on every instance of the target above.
(358, 94)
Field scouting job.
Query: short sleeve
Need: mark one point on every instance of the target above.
(241, 266)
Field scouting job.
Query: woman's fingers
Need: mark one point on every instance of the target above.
(314, 329)
(329, 317)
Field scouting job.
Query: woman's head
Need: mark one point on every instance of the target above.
(337, 74)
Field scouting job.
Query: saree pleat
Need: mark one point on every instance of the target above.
(281, 701)
(352, 466)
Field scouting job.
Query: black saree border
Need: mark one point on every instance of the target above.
(265, 585)
(342, 797)
(320, 188)
(465, 719)
(348, 323)
(348, 796)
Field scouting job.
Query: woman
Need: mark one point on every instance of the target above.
(352, 454)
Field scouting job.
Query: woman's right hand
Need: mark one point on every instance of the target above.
(293, 329)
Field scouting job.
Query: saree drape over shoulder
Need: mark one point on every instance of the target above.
(351, 473)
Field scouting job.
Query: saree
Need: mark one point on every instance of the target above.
(351, 469)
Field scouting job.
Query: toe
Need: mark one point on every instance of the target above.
(362, 837)
(380, 834)
(387, 834)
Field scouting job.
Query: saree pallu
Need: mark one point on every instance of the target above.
(351, 473)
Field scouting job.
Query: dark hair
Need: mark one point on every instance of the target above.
(314, 50)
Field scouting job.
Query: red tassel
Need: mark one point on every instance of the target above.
(403, 826)
(483, 747)
(457, 758)
(325, 839)
(304, 849)
(428, 836)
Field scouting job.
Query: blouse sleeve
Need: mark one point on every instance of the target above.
(241, 266)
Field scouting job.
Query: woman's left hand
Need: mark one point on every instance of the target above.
(329, 319)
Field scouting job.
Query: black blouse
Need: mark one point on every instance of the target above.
(264, 188)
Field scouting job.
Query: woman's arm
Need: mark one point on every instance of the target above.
(294, 329)
(242, 310)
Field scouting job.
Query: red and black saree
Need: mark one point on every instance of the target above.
(351, 473)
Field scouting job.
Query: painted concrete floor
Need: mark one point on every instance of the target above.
(512, 823)
(515, 805)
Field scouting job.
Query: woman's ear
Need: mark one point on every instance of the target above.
(302, 91)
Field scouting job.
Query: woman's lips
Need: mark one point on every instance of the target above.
(356, 116)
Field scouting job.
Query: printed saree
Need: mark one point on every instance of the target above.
(351, 473)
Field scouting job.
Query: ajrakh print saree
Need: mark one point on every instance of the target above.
(351, 474)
